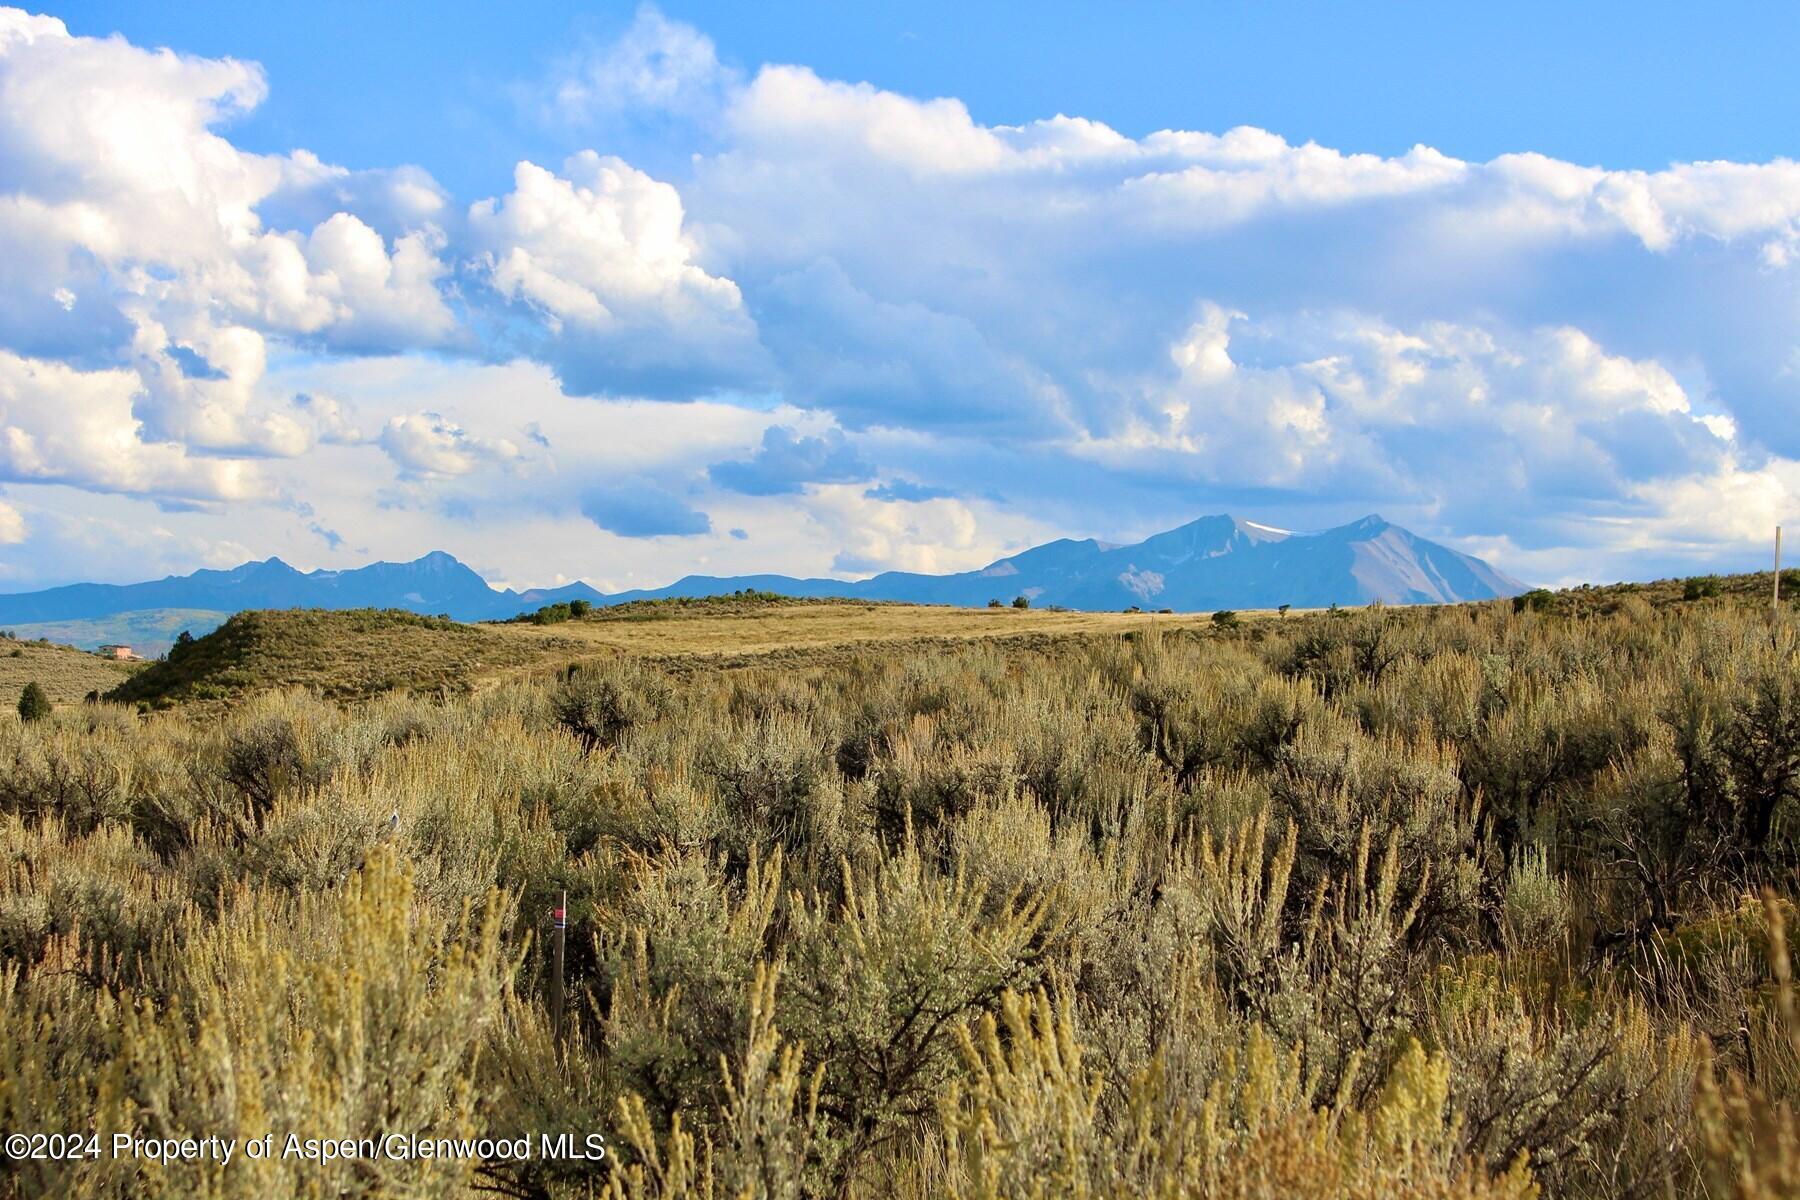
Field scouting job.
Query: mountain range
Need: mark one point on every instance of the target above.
(1211, 563)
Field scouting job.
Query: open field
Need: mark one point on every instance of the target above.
(362, 653)
(365, 652)
(1463, 902)
(728, 630)
(65, 674)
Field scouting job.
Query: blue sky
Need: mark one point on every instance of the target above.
(1614, 84)
(622, 292)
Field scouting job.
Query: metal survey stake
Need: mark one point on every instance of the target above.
(556, 973)
(1778, 570)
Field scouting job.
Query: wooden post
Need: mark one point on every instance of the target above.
(556, 974)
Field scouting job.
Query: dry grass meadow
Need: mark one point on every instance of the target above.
(1486, 901)
(347, 655)
(65, 673)
(796, 629)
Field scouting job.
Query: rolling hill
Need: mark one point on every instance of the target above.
(65, 673)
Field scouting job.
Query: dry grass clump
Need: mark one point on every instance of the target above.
(1455, 903)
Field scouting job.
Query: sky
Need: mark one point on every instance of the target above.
(622, 293)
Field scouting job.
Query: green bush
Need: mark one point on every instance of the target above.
(1536, 600)
(1700, 587)
(34, 705)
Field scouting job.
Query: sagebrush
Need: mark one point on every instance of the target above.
(1491, 901)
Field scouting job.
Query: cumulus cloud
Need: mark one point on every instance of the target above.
(601, 255)
(331, 420)
(1041, 257)
(60, 425)
(117, 189)
(931, 536)
(1476, 427)
(787, 461)
(658, 65)
(131, 239)
(872, 290)
(425, 445)
(12, 525)
(642, 509)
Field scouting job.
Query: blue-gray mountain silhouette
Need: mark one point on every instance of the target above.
(1214, 562)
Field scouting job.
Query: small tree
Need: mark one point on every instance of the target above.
(1700, 587)
(1537, 600)
(995, 604)
(1021, 601)
(1225, 618)
(33, 704)
(580, 608)
(1282, 610)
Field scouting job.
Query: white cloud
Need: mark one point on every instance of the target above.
(60, 425)
(602, 254)
(110, 154)
(606, 238)
(425, 444)
(658, 64)
(117, 192)
(1350, 390)
(932, 536)
(791, 113)
(12, 525)
(330, 419)
(389, 298)
(1051, 317)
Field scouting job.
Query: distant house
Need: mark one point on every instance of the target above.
(117, 652)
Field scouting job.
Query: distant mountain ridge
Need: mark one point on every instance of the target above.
(435, 583)
(1210, 563)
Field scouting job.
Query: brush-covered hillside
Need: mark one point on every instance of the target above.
(338, 654)
(65, 673)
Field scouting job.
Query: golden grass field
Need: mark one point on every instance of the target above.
(778, 628)
(65, 673)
